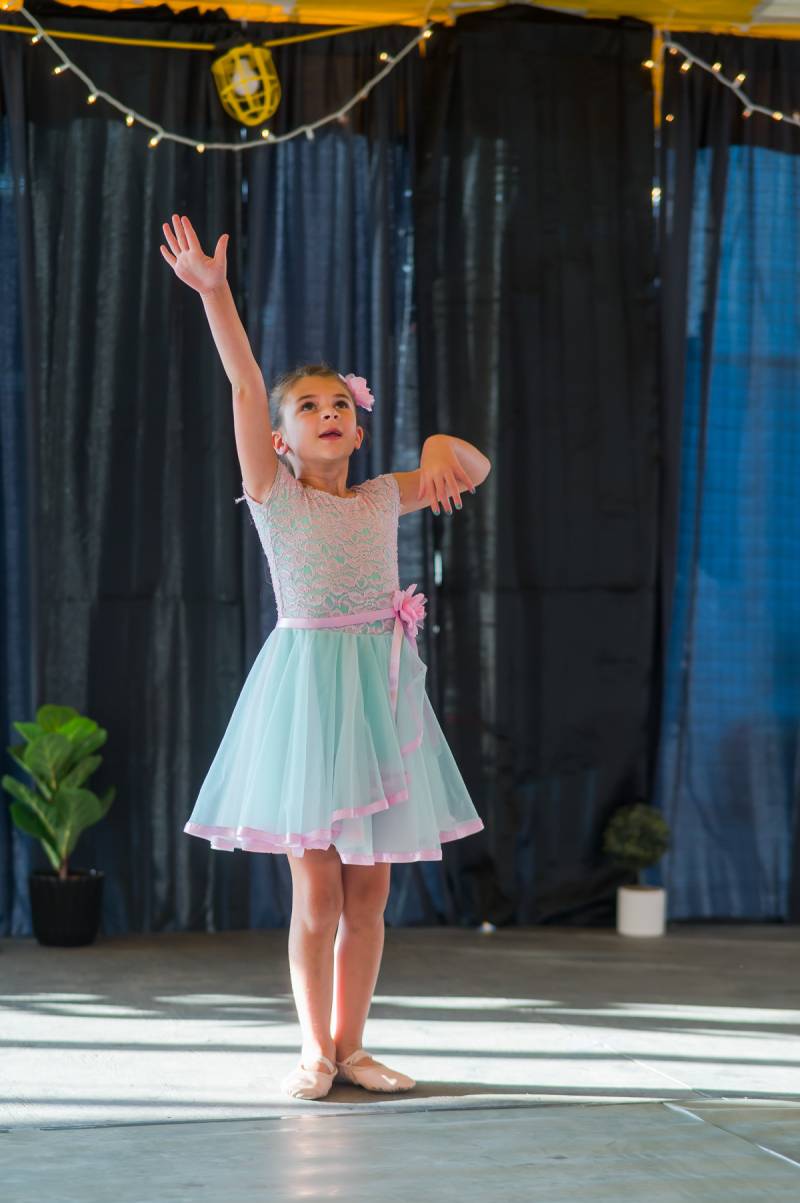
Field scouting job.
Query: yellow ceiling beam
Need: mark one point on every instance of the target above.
(712, 16)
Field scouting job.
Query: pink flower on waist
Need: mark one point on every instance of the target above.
(409, 608)
(360, 390)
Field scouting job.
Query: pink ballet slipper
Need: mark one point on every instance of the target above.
(372, 1077)
(304, 1083)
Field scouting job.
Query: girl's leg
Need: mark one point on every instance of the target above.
(357, 953)
(317, 897)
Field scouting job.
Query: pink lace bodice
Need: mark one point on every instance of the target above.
(330, 555)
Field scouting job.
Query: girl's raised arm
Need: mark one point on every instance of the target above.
(207, 276)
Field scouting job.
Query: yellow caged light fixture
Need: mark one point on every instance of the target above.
(247, 83)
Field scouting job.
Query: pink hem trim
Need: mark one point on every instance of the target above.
(227, 838)
(252, 839)
(249, 839)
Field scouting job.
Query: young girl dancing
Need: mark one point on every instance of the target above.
(333, 754)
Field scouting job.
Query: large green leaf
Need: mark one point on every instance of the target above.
(28, 823)
(78, 728)
(89, 745)
(34, 803)
(50, 718)
(77, 809)
(29, 730)
(17, 754)
(18, 789)
(31, 824)
(48, 757)
(80, 772)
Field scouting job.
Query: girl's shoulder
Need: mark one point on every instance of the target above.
(280, 484)
(384, 487)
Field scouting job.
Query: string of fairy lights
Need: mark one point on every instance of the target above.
(667, 45)
(715, 70)
(132, 117)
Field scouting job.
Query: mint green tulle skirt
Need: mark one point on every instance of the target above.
(313, 756)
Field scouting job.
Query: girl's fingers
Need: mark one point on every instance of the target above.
(170, 238)
(221, 249)
(453, 489)
(171, 260)
(191, 237)
(180, 233)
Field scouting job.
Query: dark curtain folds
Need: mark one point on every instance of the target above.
(17, 630)
(149, 586)
(535, 252)
(729, 765)
(137, 557)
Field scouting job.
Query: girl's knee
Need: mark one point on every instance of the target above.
(318, 909)
(366, 893)
(317, 893)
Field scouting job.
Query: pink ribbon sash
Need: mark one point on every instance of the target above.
(407, 610)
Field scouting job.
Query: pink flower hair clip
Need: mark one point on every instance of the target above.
(360, 390)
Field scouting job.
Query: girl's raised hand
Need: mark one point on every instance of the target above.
(187, 259)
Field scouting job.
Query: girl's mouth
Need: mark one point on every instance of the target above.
(331, 434)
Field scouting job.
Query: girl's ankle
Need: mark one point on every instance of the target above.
(343, 1051)
(313, 1053)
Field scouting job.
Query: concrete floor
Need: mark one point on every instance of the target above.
(552, 1064)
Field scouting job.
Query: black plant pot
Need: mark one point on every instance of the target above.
(66, 912)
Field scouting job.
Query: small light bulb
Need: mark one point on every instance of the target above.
(200, 147)
(778, 115)
(747, 112)
(310, 134)
(717, 67)
(673, 49)
(36, 38)
(91, 98)
(670, 117)
(428, 33)
(156, 138)
(58, 70)
(740, 78)
(384, 56)
(656, 194)
(686, 65)
(129, 120)
(265, 133)
(648, 62)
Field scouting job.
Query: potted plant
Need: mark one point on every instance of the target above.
(636, 837)
(59, 756)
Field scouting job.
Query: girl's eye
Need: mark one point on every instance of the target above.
(341, 401)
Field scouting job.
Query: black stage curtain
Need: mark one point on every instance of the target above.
(489, 222)
(538, 320)
(149, 587)
(135, 563)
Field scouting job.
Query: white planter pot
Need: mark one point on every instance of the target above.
(641, 910)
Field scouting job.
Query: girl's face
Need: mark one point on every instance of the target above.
(313, 409)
